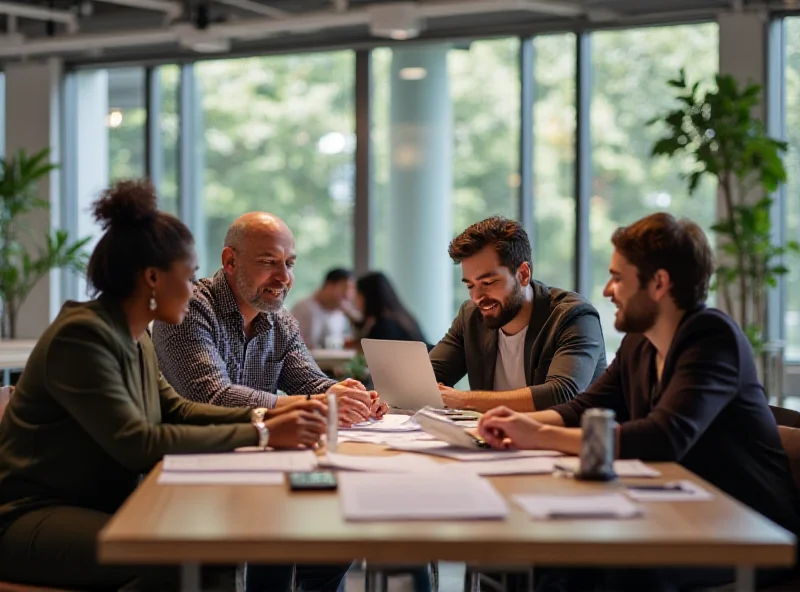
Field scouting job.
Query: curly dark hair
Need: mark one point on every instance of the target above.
(136, 236)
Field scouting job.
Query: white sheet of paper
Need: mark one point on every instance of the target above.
(514, 466)
(415, 496)
(545, 507)
(300, 460)
(439, 448)
(392, 422)
(623, 468)
(398, 463)
(386, 438)
(687, 492)
(220, 478)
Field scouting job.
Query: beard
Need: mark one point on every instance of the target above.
(255, 296)
(507, 309)
(638, 314)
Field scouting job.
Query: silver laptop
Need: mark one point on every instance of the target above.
(402, 373)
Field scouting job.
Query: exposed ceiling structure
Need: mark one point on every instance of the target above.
(121, 30)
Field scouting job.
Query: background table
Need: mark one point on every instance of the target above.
(329, 360)
(14, 355)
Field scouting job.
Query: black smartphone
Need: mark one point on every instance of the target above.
(312, 481)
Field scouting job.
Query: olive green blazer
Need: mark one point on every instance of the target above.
(91, 413)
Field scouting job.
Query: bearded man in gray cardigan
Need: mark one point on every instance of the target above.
(521, 343)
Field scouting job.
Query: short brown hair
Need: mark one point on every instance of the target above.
(679, 247)
(508, 237)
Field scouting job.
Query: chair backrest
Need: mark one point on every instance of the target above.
(790, 438)
(786, 417)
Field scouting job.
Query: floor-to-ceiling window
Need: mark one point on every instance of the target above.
(554, 159)
(164, 140)
(792, 160)
(630, 70)
(446, 136)
(126, 121)
(278, 136)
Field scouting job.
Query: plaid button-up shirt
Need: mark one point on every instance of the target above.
(208, 358)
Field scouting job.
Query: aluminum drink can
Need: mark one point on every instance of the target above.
(597, 445)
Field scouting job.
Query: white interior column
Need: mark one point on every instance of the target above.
(92, 161)
(421, 184)
(33, 105)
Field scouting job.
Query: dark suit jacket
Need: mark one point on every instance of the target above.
(708, 413)
(564, 348)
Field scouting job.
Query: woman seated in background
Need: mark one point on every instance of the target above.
(91, 412)
(384, 315)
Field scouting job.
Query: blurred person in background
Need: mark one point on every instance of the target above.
(325, 317)
(384, 315)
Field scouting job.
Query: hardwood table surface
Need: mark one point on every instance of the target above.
(172, 524)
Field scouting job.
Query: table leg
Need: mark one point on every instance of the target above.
(374, 581)
(745, 578)
(475, 582)
(190, 577)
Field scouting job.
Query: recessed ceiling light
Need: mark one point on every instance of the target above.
(413, 73)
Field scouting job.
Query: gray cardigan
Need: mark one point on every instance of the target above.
(564, 348)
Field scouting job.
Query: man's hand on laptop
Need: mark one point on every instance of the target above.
(452, 398)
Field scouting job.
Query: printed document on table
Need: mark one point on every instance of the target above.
(515, 466)
(623, 468)
(386, 438)
(398, 463)
(610, 505)
(220, 478)
(302, 460)
(439, 448)
(675, 491)
(416, 496)
(389, 423)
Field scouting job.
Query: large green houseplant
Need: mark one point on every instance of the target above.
(717, 130)
(20, 270)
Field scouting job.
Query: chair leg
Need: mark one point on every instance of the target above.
(434, 572)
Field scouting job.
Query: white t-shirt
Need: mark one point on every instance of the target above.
(319, 327)
(509, 370)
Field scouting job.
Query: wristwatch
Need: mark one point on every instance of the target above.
(263, 434)
(258, 414)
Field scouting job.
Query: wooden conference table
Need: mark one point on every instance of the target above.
(193, 524)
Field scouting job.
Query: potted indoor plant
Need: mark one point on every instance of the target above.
(716, 129)
(20, 269)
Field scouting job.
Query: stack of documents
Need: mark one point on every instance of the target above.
(439, 448)
(239, 468)
(389, 423)
(398, 463)
(415, 496)
(550, 507)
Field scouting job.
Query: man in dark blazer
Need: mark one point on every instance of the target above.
(683, 386)
(522, 344)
